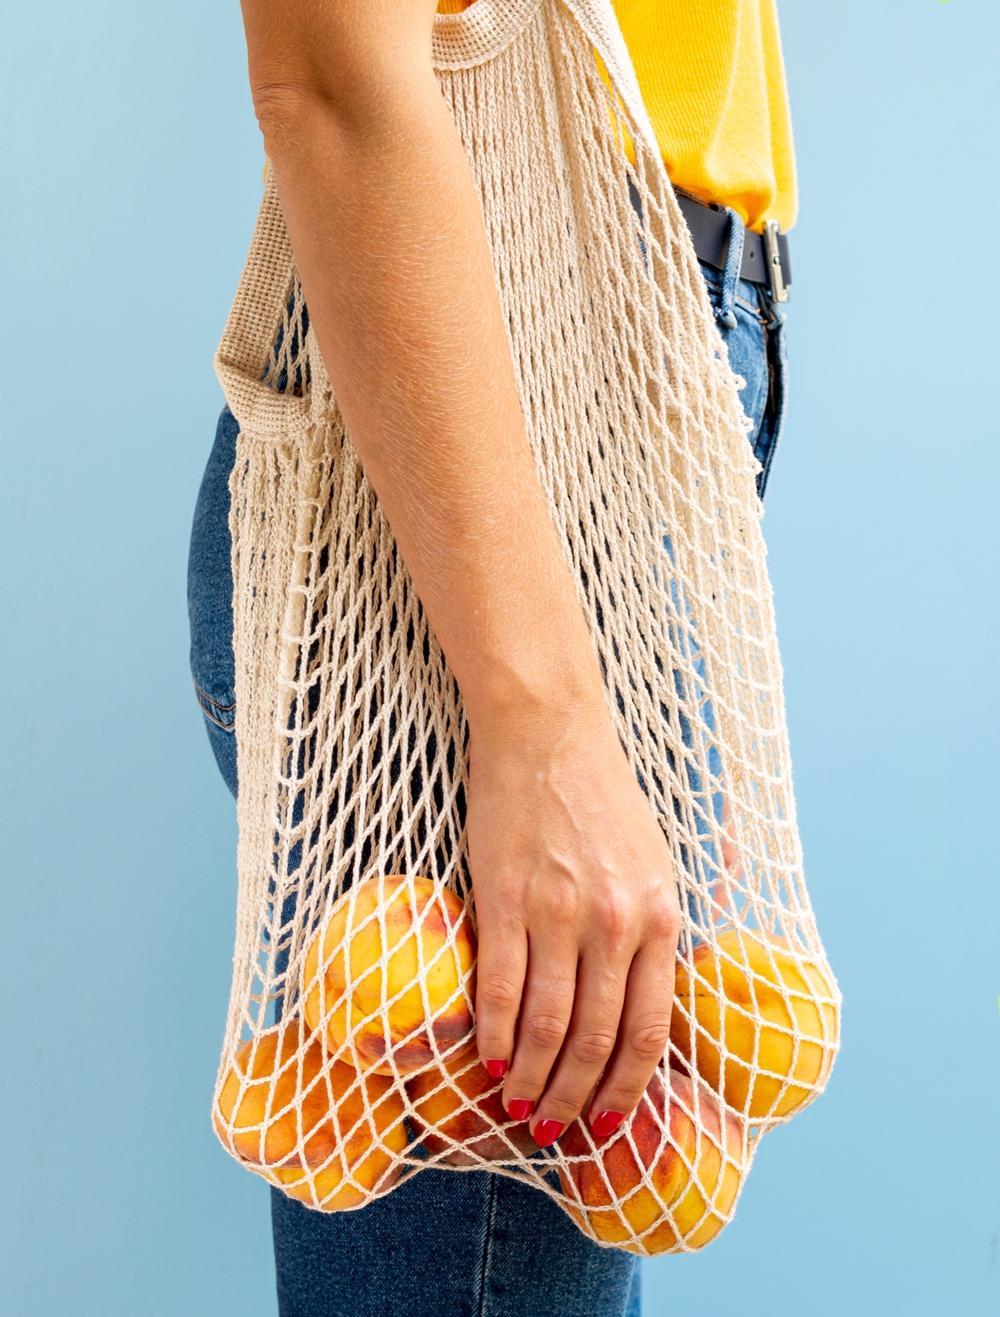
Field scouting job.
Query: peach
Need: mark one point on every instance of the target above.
(402, 997)
(364, 1158)
(691, 1187)
(256, 1114)
(443, 1119)
(258, 1118)
(752, 996)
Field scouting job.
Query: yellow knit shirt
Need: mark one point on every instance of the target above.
(713, 80)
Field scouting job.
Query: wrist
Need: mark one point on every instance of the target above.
(537, 715)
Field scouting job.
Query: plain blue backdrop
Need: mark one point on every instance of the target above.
(131, 171)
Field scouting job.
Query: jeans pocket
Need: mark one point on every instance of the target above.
(222, 715)
(748, 356)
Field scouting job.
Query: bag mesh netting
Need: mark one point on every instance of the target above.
(349, 1060)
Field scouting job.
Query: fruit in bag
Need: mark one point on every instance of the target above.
(293, 1119)
(257, 1113)
(751, 996)
(665, 1193)
(459, 1103)
(389, 976)
(368, 1118)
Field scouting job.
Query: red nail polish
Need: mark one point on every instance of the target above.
(547, 1131)
(519, 1109)
(606, 1122)
(496, 1069)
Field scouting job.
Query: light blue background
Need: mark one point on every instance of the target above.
(131, 173)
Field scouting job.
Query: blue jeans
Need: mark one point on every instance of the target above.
(443, 1244)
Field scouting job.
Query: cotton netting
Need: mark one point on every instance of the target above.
(349, 1059)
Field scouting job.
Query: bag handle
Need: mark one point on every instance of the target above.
(267, 281)
(261, 297)
(479, 33)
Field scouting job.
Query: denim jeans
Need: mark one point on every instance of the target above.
(443, 1244)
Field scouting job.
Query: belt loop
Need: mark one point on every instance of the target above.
(731, 273)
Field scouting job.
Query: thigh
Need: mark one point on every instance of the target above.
(447, 1244)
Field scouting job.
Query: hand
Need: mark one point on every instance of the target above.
(578, 920)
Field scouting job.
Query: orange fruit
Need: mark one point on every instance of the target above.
(692, 1183)
(390, 975)
(742, 1006)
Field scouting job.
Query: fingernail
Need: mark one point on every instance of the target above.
(547, 1131)
(519, 1109)
(496, 1069)
(606, 1122)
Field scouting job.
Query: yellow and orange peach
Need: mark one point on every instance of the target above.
(743, 1005)
(459, 1114)
(257, 1113)
(342, 1132)
(390, 976)
(367, 1142)
(694, 1174)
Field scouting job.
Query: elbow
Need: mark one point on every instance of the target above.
(359, 113)
(294, 117)
(284, 112)
(338, 62)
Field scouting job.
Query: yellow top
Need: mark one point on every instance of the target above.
(713, 80)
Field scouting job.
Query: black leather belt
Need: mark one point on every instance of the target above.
(765, 255)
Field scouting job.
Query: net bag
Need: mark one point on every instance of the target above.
(349, 1060)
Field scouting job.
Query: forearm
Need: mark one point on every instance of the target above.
(393, 255)
(577, 912)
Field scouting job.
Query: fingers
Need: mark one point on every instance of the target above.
(502, 962)
(588, 1043)
(609, 1011)
(643, 1034)
(546, 1012)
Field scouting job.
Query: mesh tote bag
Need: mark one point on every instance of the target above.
(349, 1060)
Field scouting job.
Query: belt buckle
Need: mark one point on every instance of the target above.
(779, 289)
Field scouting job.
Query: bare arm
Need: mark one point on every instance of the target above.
(576, 907)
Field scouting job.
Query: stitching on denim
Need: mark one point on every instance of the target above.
(226, 727)
(226, 708)
(488, 1244)
(204, 702)
(755, 311)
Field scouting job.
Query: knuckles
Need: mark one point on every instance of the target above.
(592, 1048)
(662, 919)
(649, 1041)
(497, 993)
(618, 919)
(544, 1031)
(558, 904)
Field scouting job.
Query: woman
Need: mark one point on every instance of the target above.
(577, 908)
